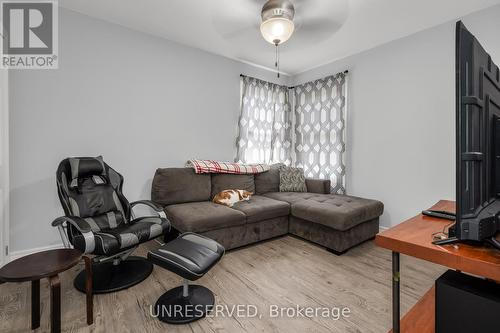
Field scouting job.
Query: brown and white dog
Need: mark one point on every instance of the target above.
(230, 197)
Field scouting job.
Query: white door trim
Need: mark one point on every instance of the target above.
(4, 167)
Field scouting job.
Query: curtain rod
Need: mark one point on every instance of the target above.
(243, 75)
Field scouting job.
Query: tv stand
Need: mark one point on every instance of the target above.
(413, 237)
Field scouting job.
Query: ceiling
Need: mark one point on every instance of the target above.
(326, 30)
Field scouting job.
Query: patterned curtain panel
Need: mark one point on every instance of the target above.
(265, 123)
(320, 113)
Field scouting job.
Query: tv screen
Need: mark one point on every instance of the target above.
(477, 141)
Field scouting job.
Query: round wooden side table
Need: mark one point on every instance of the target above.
(47, 264)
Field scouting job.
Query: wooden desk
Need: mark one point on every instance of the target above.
(414, 238)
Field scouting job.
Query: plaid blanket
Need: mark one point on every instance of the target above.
(209, 166)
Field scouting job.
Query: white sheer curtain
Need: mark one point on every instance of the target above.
(265, 123)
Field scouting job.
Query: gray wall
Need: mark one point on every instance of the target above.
(163, 103)
(401, 116)
(140, 101)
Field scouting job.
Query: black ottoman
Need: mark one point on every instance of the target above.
(190, 256)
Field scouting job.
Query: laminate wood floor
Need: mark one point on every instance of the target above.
(285, 272)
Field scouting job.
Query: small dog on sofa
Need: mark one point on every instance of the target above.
(230, 197)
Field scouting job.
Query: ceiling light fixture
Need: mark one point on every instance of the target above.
(277, 24)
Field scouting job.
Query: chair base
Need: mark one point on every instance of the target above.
(173, 308)
(108, 278)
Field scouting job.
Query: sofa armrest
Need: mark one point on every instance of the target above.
(321, 186)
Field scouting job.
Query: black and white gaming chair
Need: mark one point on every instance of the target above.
(99, 221)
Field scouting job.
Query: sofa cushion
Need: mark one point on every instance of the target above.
(318, 185)
(260, 208)
(203, 216)
(224, 181)
(290, 197)
(268, 181)
(179, 185)
(340, 212)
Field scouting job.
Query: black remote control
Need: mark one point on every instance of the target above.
(439, 214)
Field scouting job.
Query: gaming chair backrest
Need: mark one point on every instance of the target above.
(90, 189)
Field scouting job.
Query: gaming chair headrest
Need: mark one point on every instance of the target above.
(85, 167)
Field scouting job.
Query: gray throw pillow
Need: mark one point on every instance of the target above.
(292, 180)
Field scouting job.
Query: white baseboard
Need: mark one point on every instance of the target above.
(18, 254)
(382, 228)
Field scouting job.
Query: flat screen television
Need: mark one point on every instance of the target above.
(477, 142)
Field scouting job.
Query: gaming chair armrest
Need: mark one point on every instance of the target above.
(80, 224)
(147, 203)
(151, 204)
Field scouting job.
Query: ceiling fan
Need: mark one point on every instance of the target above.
(277, 24)
(277, 21)
(309, 21)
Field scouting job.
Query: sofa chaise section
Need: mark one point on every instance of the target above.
(339, 212)
(337, 222)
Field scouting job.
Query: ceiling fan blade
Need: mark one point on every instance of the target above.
(238, 33)
(234, 18)
(312, 11)
(317, 20)
(322, 26)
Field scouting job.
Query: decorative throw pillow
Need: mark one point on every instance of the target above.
(292, 179)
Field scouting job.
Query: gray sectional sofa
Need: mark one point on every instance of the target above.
(337, 222)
